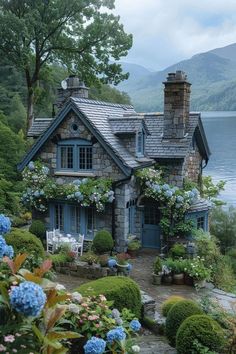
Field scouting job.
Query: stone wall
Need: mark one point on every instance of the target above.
(103, 165)
(173, 171)
(192, 166)
(129, 142)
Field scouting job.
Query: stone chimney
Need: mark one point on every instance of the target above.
(71, 87)
(176, 105)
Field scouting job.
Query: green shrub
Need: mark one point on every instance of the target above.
(17, 221)
(167, 304)
(203, 329)
(103, 242)
(38, 228)
(24, 241)
(177, 314)
(124, 292)
(58, 259)
(157, 266)
(177, 250)
(223, 274)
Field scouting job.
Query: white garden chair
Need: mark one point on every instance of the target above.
(76, 246)
(50, 241)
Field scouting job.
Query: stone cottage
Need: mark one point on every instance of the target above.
(93, 139)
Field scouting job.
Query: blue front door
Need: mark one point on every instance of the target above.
(151, 229)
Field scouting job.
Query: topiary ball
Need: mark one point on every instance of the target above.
(203, 329)
(167, 304)
(177, 314)
(38, 229)
(103, 242)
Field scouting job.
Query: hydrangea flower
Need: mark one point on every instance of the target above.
(179, 199)
(2, 246)
(116, 334)
(135, 325)
(111, 263)
(165, 187)
(31, 166)
(5, 224)
(28, 298)
(168, 193)
(95, 346)
(8, 251)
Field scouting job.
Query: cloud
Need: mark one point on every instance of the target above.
(166, 31)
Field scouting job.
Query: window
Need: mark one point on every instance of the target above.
(85, 158)
(59, 217)
(201, 222)
(140, 143)
(73, 219)
(75, 155)
(151, 215)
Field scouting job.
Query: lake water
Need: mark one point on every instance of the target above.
(220, 128)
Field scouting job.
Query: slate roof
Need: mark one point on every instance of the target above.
(107, 120)
(129, 124)
(39, 126)
(200, 205)
(157, 147)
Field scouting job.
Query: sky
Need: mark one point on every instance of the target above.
(167, 31)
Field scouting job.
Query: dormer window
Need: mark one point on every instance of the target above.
(75, 155)
(140, 143)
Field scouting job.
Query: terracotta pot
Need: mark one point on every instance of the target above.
(156, 279)
(188, 280)
(178, 279)
(167, 279)
(133, 253)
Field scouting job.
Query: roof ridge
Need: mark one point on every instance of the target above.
(101, 103)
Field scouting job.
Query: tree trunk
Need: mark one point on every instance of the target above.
(30, 108)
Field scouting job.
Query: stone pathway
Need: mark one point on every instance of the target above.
(141, 273)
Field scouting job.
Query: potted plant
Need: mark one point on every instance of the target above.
(133, 248)
(122, 262)
(167, 271)
(178, 250)
(157, 272)
(178, 271)
(198, 272)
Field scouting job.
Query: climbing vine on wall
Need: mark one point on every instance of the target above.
(173, 202)
(41, 188)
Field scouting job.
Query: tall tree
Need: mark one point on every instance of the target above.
(79, 34)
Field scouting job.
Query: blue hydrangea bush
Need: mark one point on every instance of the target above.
(174, 202)
(37, 315)
(40, 188)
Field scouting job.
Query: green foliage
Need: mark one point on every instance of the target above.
(103, 242)
(89, 257)
(157, 266)
(211, 191)
(9, 198)
(58, 258)
(12, 148)
(223, 226)
(207, 247)
(109, 94)
(177, 314)
(103, 259)
(24, 241)
(167, 304)
(177, 250)
(123, 291)
(18, 221)
(196, 269)
(201, 327)
(38, 228)
(223, 274)
(17, 117)
(134, 245)
(48, 31)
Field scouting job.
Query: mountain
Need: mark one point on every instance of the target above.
(213, 78)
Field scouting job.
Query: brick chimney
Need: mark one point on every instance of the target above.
(176, 105)
(71, 87)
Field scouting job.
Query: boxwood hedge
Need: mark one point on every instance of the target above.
(123, 291)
